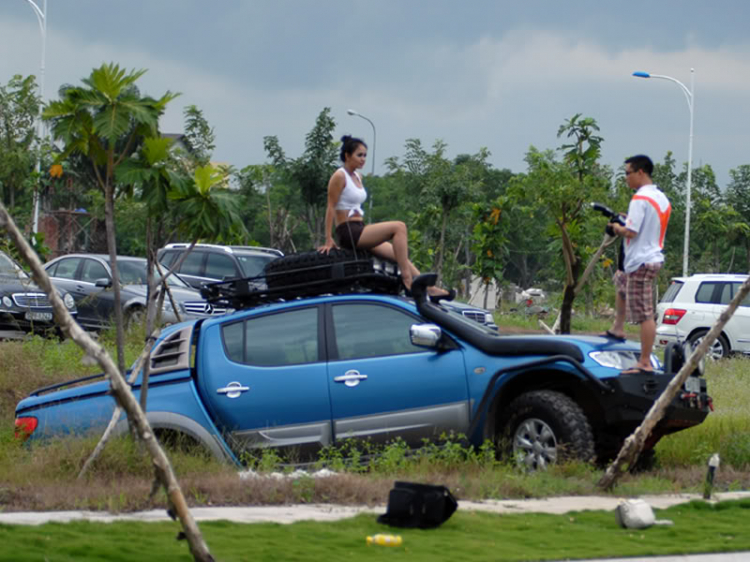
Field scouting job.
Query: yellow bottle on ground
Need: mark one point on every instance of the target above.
(385, 540)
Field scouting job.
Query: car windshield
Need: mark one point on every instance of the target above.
(8, 267)
(133, 272)
(253, 264)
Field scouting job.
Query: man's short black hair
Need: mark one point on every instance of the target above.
(641, 162)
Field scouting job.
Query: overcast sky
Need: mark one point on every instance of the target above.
(474, 73)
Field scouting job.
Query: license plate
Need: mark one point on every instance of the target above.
(693, 384)
(40, 316)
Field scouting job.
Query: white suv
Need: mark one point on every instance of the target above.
(692, 305)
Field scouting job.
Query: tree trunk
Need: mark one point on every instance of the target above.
(150, 312)
(120, 390)
(566, 309)
(606, 241)
(731, 260)
(109, 220)
(441, 249)
(271, 236)
(467, 272)
(634, 443)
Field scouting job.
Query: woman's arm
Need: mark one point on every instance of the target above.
(335, 186)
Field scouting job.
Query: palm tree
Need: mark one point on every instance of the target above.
(199, 205)
(106, 120)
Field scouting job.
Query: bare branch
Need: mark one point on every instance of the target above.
(120, 389)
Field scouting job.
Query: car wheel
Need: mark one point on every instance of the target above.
(315, 272)
(543, 427)
(718, 350)
(134, 316)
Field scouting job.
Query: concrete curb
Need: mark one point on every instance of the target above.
(327, 512)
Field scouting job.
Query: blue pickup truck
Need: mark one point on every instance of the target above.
(323, 353)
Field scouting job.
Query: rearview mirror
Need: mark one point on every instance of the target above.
(425, 335)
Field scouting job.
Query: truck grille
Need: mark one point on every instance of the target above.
(476, 316)
(203, 307)
(31, 300)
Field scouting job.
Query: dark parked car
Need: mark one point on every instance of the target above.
(208, 263)
(484, 317)
(24, 306)
(88, 277)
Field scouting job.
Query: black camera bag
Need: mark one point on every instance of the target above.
(418, 505)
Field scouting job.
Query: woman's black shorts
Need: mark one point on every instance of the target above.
(348, 234)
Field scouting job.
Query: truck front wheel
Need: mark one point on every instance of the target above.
(543, 427)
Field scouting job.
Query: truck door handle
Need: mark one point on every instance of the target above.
(351, 378)
(233, 389)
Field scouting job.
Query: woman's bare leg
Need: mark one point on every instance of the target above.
(390, 251)
(386, 251)
(389, 240)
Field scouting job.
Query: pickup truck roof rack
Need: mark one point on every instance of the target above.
(303, 275)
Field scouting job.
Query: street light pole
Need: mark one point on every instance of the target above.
(689, 96)
(41, 16)
(372, 173)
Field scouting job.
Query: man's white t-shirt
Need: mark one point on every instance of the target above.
(648, 215)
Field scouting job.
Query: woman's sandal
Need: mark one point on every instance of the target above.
(449, 297)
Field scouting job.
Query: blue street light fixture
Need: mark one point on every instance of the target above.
(690, 99)
(41, 16)
(372, 174)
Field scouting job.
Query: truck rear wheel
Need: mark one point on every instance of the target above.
(543, 427)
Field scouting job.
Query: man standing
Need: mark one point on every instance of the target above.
(644, 230)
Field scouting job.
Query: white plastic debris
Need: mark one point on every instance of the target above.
(251, 474)
(634, 514)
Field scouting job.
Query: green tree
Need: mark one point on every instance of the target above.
(105, 120)
(309, 174)
(199, 135)
(559, 192)
(738, 197)
(490, 240)
(200, 206)
(439, 187)
(19, 107)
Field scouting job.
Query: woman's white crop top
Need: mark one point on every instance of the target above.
(352, 196)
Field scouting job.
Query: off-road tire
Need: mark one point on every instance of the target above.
(542, 427)
(315, 272)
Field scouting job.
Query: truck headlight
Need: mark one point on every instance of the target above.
(615, 359)
(69, 301)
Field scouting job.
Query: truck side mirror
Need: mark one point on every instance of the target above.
(425, 335)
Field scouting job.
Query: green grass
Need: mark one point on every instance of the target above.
(726, 430)
(467, 536)
(508, 322)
